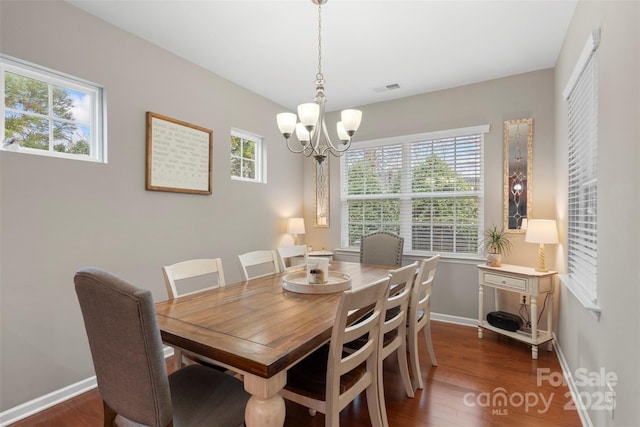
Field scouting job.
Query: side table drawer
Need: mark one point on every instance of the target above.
(507, 282)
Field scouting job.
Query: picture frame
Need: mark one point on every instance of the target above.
(179, 156)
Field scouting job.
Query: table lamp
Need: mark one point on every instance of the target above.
(295, 226)
(541, 231)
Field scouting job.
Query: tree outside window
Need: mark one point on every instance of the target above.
(46, 113)
(246, 156)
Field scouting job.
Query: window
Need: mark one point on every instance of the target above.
(49, 113)
(247, 157)
(427, 188)
(582, 100)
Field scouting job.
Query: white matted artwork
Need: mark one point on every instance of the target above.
(179, 156)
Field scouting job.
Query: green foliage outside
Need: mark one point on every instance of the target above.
(243, 157)
(27, 118)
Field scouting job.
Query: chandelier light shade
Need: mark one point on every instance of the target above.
(311, 130)
(541, 231)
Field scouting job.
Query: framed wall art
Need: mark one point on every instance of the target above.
(179, 156)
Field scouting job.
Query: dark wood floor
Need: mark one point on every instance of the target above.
(478, 382)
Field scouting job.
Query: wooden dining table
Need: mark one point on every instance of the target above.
(259, 330)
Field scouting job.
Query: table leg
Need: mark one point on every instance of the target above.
(550, 320)
(266, 407)
(534, 325)
(480, 301)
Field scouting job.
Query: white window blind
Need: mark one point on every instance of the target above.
(427, 188)
(582, 100)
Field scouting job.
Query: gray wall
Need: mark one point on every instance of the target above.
(613, 343)
(57, 215)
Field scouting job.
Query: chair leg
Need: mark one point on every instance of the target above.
(109, 415)
(380, 398)
(404, 369)
(375, 400)
(427, 337)
(177, 359)
(414, 358)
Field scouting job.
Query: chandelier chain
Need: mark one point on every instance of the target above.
(319, 76)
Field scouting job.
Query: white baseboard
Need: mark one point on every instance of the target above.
(571, 383)
(457, 320)
(41, 403)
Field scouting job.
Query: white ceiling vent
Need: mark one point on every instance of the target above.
(386, 88)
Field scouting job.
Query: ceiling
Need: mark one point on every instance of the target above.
(271, 47)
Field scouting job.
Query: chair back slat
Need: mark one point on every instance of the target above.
(191, 269)
(262, 259)
(288, 254)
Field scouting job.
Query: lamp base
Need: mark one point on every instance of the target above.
(541, 267)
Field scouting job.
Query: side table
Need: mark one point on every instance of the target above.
(521, 280)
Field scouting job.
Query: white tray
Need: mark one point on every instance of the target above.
(297, 282)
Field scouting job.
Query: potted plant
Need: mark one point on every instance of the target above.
(496, 243)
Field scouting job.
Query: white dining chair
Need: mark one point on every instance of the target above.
(262, 263)
(192, 268)
(420, 316)
(211, 276)
(329, 379)
(293, 257)
(393, 332)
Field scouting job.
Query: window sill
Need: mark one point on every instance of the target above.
(581, 295)
(415, 256)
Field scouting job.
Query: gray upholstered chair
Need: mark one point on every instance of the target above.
(130, 368)
(382, 247)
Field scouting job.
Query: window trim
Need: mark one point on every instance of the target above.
(261, 156)
(99, 106)
(481, 130)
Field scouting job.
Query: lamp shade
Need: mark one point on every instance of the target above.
(309, 114)
(286, 123)
(351, 120)
(541, 231)
(295, 226)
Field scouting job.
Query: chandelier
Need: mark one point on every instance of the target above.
(311, 130)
